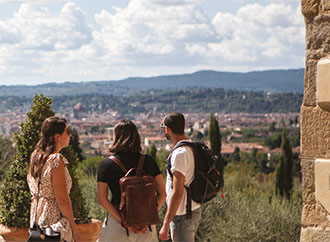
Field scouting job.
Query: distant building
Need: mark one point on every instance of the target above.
(79, 111)
(160, 142)
(227, 149)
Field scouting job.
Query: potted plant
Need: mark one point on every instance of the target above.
(15, 196)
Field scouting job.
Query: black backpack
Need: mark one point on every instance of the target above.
(207, 180)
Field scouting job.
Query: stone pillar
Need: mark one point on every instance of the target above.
(315, 119)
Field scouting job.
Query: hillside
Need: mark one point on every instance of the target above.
(183, 100)
(269, 81)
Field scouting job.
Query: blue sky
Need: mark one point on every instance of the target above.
(44, 41)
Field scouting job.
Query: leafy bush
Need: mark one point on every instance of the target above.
(161, 158)
(89, 165)
(80, 211)
(250, 210)
(89, 183)
(7, 153)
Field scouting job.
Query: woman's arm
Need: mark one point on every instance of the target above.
(102, 189)
(62, 197)
(160, 188)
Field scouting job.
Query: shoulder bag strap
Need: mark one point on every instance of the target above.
(179, 144)
(119, 163)
(140, 165)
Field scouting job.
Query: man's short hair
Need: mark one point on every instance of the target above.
(175, 121)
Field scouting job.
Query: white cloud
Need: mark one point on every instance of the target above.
(35, 2)
(34, 36)
(284, 1)
(40, 30)
(260, 33)
(153, 27)
(148, 37)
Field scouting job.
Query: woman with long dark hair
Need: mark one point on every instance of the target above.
(50, 182)
(126, 147)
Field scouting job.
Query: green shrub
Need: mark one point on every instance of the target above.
(89, 183)
(250, 210)
(7, 154)
(80, 211)
(89, 165)
(161, 158)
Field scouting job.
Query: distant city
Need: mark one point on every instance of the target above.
(251, 108)
(95, 129)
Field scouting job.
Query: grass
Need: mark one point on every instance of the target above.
(250, 210)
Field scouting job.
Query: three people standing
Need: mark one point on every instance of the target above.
(54, 207)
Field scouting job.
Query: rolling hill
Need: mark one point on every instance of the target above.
(269, 81)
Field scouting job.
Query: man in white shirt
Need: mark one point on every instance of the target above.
(182, 168)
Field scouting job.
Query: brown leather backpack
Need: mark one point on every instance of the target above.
(138, 206)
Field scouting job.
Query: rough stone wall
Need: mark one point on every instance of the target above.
(315, 122)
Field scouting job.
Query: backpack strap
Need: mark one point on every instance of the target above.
(123, 167)
(119, 163)
(179, 144)
(168, 167)
(140, 165)
(188, 205)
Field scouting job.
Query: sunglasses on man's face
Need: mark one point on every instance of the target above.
(68, 131)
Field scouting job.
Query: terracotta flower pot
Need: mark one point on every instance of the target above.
(88, 232)
(13, 234)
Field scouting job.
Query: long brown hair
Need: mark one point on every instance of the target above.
(127, 138)
(46, 144)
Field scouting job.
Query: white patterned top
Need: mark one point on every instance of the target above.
(48, 212)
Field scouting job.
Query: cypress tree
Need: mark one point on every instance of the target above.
(215, 142)
(15, 195)
(284, 176)
(75, 144)
(214, 135)
(236, 155)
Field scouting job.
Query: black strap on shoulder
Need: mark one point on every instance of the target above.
(179, 144)
(188, 205)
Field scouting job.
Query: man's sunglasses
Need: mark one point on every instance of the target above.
(68, 131)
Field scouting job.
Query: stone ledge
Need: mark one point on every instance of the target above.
(314, 234)
(315, 215)
(310, 84)
(308, 187)
(315, 132)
